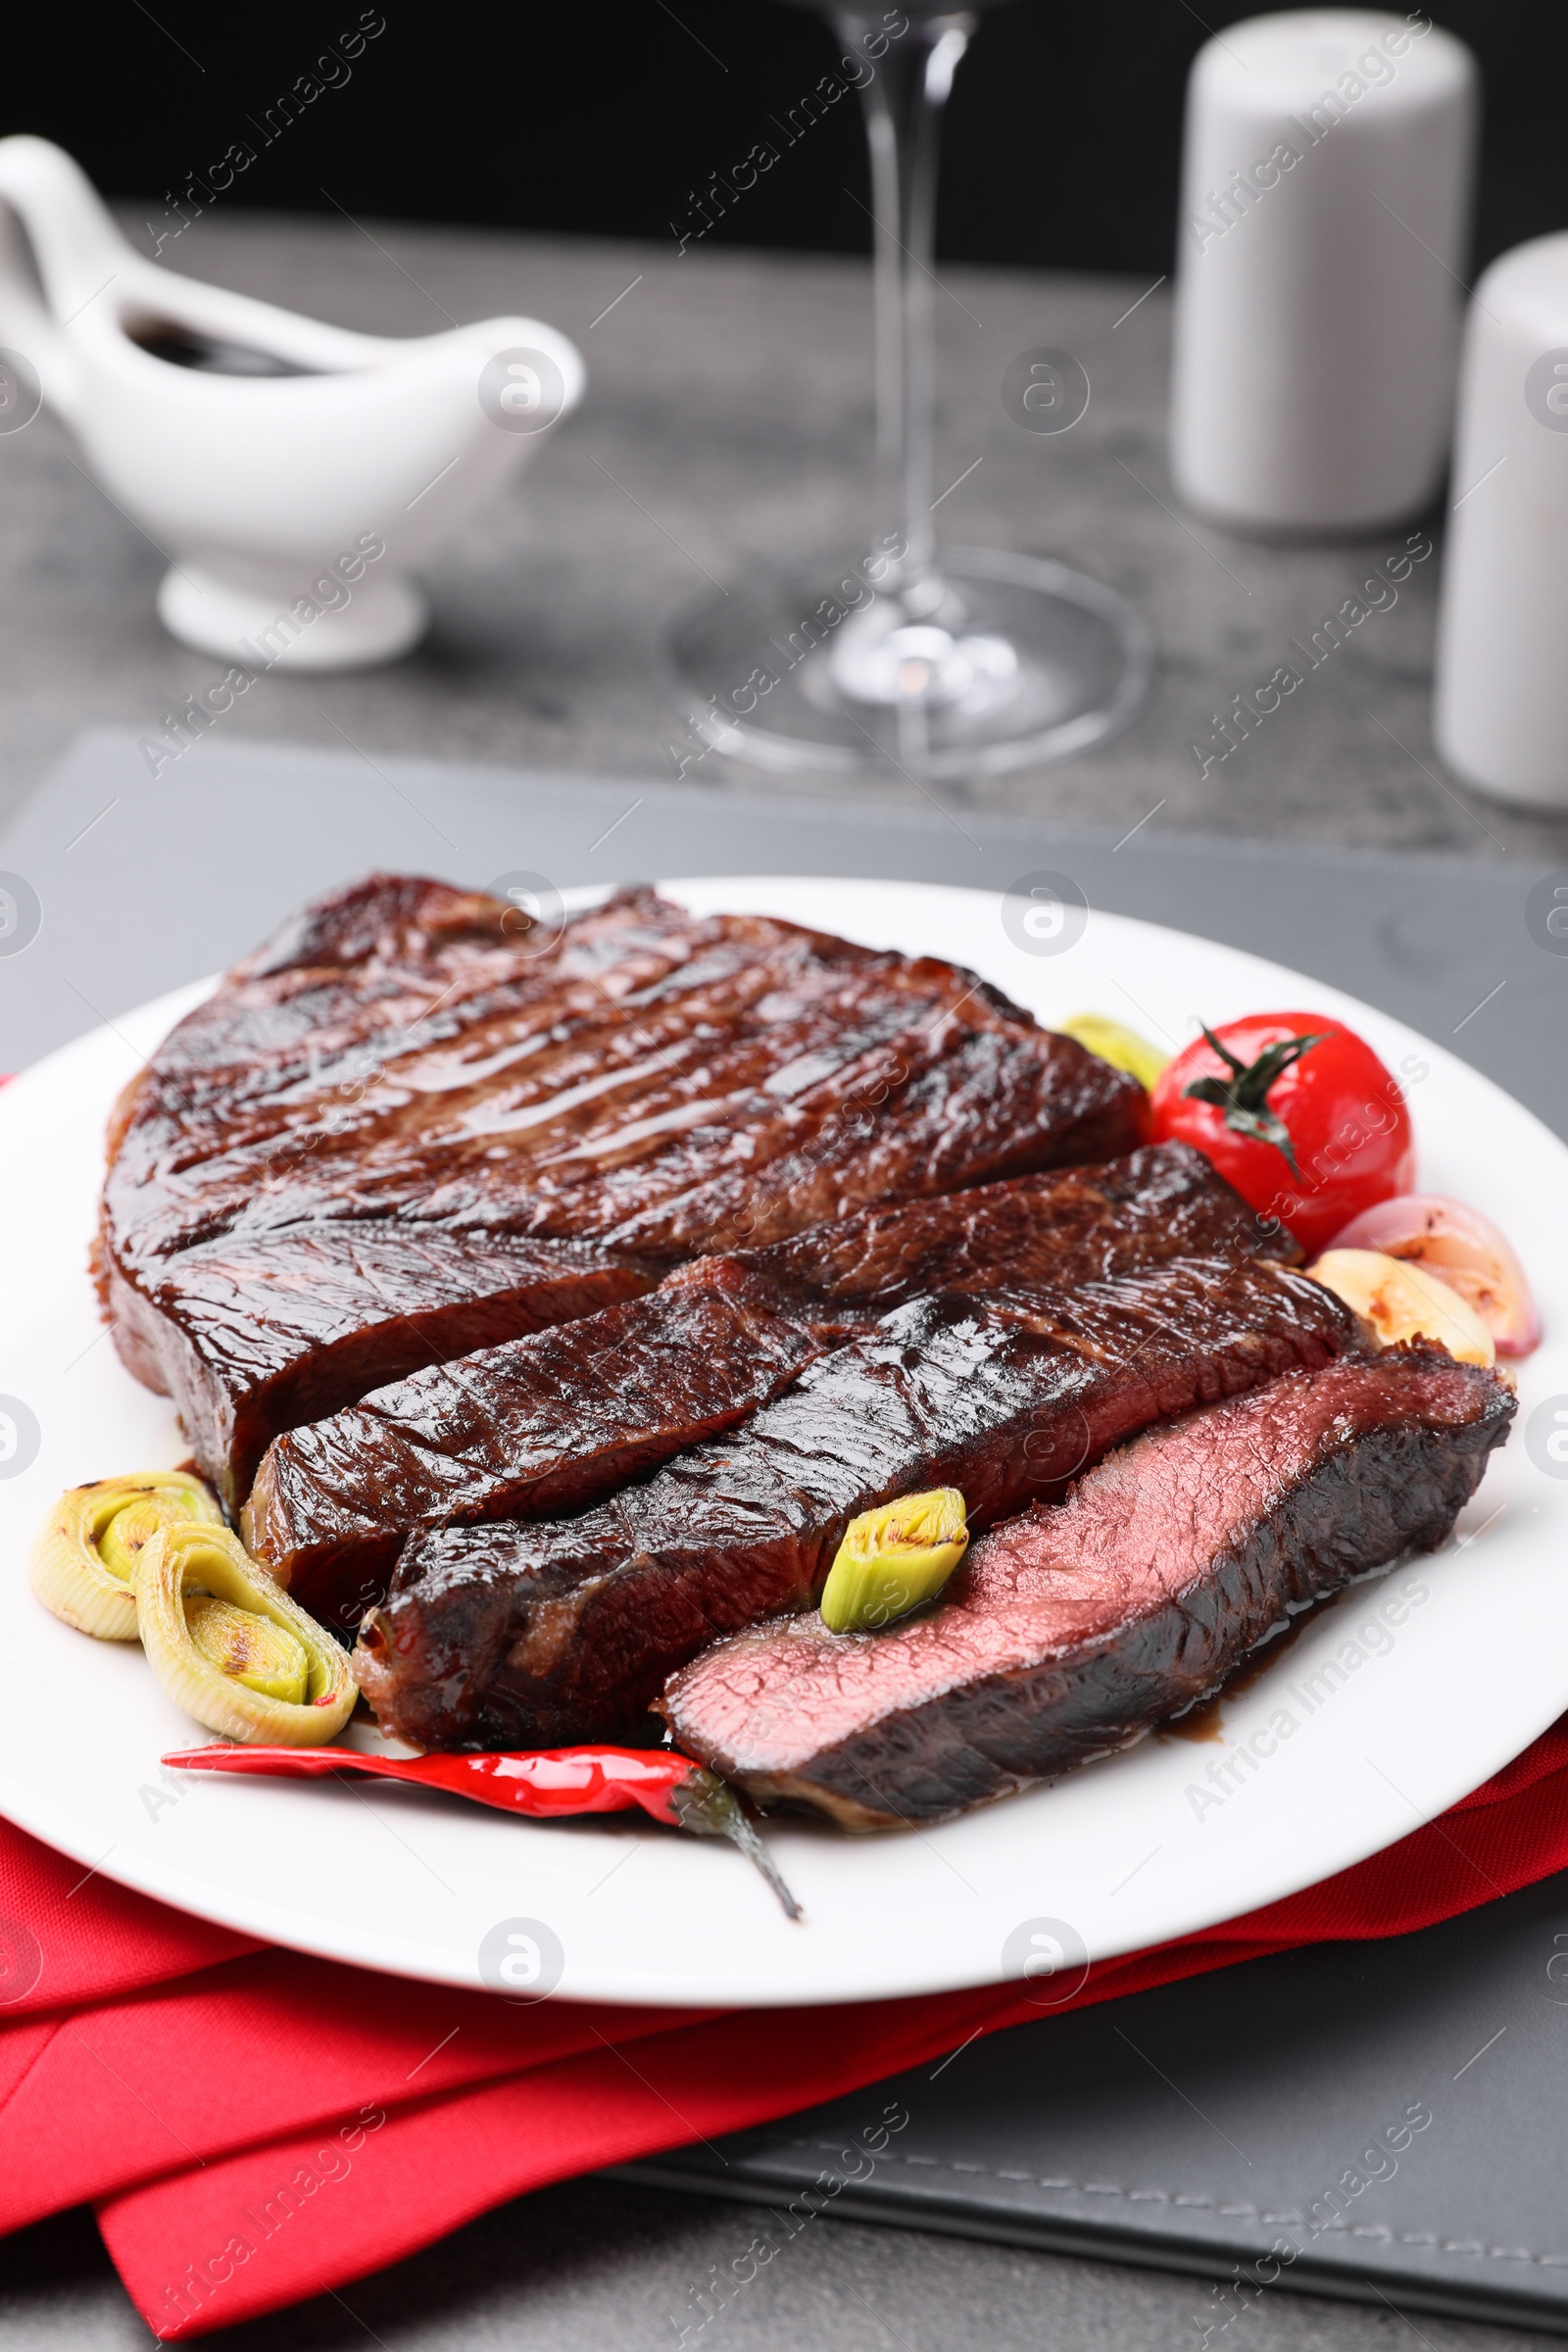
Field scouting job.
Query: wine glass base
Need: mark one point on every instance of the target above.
(1019, 663)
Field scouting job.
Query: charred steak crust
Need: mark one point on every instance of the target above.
(650, 1084)
(1078, 1627)
(553, 1423)
(1058, 1228)
(517, 1636)
(253, 1337)
(544, 1426)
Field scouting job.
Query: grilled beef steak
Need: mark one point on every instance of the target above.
(555, 1422)
(547, 1425)
(647, 1082)
(252, 1335)
(653, 1081)
(1073, 1629)
(536, 1635)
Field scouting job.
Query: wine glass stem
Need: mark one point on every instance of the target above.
(903, 103)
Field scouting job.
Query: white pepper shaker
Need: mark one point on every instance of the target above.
(1325, 213)
(1501, 709)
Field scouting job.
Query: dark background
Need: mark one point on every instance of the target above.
(1063, 145)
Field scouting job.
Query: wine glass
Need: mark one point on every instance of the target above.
(963, 661)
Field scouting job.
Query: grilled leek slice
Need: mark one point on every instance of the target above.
(231, 1648)
(85, 1560)
(893, 1560)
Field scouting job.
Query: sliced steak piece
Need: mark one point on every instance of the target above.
(535, 1635)
(554, 1423)
(1058, 1229)
(252, 1337)
(544, 1425)
(1074, 1629)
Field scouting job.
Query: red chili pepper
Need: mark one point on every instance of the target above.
(545, 1784)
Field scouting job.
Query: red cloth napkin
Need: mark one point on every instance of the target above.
(255, 2126)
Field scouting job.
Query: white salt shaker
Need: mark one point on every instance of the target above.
(1501, 715)
(1324, 220)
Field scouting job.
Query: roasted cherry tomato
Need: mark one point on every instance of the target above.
(1297, 1112)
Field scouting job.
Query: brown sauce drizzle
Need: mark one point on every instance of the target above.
(1204, 1722)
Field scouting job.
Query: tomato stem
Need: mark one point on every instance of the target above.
(1244, 1096)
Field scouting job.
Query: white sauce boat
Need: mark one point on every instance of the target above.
(292, 473)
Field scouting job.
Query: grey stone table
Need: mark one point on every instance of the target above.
(728, 421)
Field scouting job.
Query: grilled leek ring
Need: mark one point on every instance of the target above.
(279, 1678)
(85, 1560)
(893, 1560)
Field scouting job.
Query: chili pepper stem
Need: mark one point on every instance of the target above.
(702, 1805)
(742, 1834)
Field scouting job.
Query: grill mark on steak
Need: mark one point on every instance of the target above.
(1078, 1627)
(553, 1424)
(519, 1635)
(547, 1425)
(250, 1338)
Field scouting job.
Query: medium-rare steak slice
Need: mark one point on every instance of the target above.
(489, 1437)
(250, 1337)
(546, 1424)
(1058, 1229)
(526, 1634)
(1070, 1631)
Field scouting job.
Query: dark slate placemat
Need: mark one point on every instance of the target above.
(1119, 2131)
(134, 884)
(1382, 2121)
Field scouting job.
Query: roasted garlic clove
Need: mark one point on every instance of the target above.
(1460, 1246)
(894, 1558)
(84, 1560)
(245, 1681)
(1402, 1301)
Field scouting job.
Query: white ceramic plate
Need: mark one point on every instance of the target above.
(1397, 1699)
